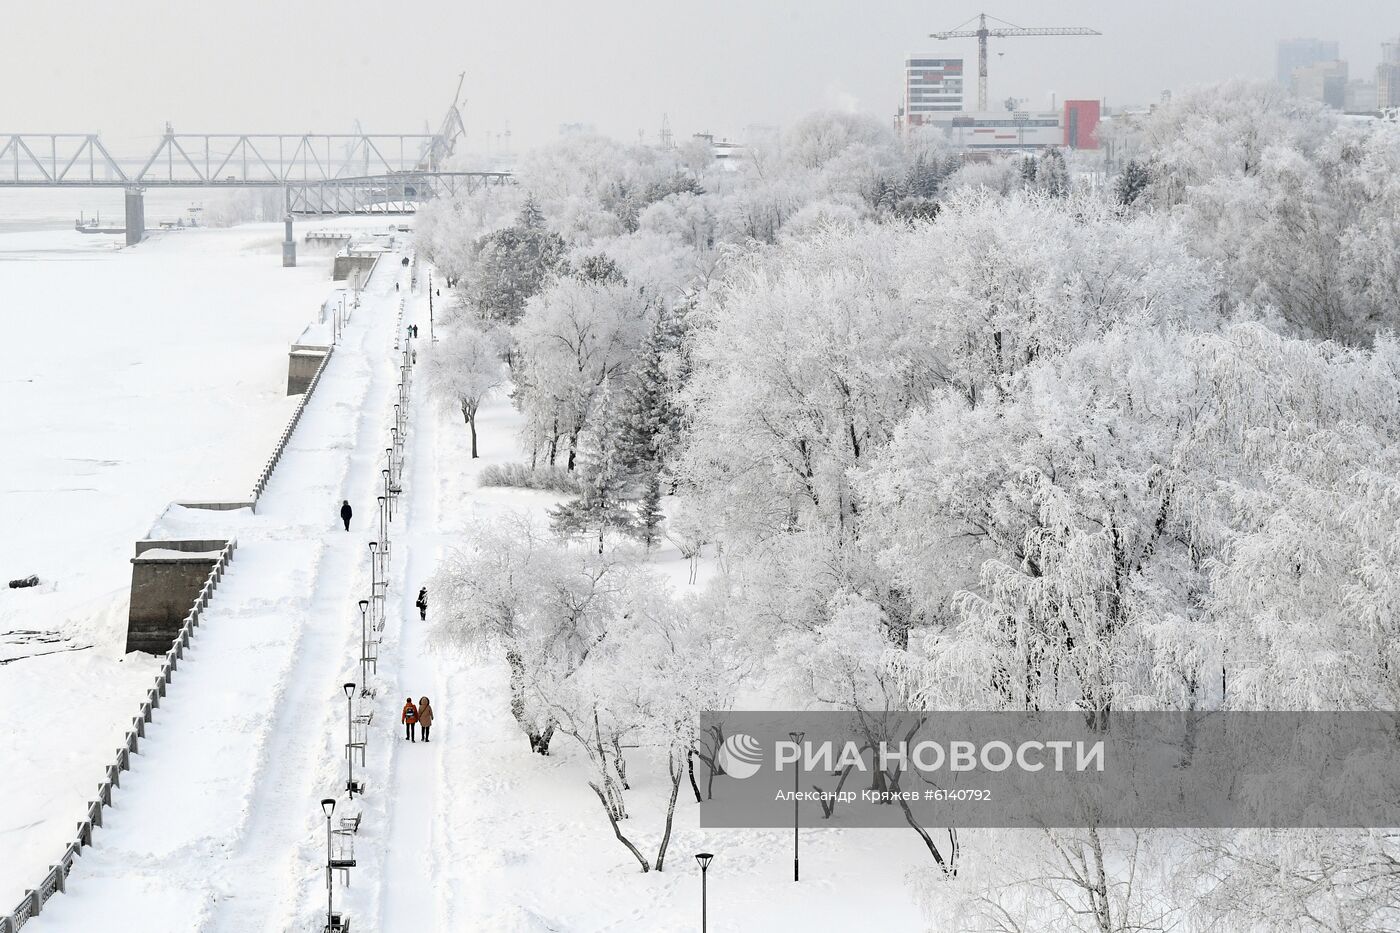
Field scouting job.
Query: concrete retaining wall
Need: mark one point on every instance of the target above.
(164, 585)
(346, 265)
(302, 363)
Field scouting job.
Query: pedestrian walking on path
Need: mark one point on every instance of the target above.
(425, 716)
(346, 512)
(422, 603)
(410, 718)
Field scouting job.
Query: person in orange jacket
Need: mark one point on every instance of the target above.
(410, 718)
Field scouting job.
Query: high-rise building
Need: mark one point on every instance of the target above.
(1300, 53)
(931, 85)
(1322, 81)
(1388, 76)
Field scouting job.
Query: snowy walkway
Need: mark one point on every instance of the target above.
(217, 827)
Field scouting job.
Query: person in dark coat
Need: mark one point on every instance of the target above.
(425, 716)
(346, 512)
(410, 718)
(422, 603)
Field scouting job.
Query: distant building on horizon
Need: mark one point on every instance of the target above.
(1000, 130)
(1324, 81)
(1388, 76)
(931, 86)
(1300, 53)
(1361, 96)
(1081, 124)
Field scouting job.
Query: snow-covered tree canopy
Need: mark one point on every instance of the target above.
(963, 434)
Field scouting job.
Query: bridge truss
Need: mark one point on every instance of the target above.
(397, 193)
(212, 160)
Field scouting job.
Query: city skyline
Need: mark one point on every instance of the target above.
(734, 66)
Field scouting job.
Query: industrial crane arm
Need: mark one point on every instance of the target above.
(1006, 33)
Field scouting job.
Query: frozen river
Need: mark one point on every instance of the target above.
(130, 377)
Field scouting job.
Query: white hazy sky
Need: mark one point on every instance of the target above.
(125, 66)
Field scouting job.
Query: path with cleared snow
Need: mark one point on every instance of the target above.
(217, 827)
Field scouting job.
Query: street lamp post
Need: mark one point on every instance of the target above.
(704, 859)
(387, 496)
(797, 738)
(393, 473)
(350, 784)
(373, 570)
(364, 646)
(383, 518)
(328, 807)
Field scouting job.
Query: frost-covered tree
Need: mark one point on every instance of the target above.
(464, 369)
(1052, 175)
(1295, 209)
(540, 604)
(575, 337)
(509, 266)
(604, 483)
(646, 425)
(1131, 182)
(658, 664)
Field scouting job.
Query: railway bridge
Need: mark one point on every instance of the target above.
(320, 173)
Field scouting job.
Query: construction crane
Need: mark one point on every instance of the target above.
(437, 152)
(1004, 31)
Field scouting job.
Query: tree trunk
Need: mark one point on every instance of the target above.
(949, 865)
(676, 773)
(539, 740)
(690, 766)
(469, 416)
(620, 764)
(573, 447)
(617, 830)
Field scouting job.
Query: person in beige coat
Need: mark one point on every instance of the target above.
(425, 716)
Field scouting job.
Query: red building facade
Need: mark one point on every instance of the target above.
(1081, 124)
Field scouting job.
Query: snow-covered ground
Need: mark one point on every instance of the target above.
(515, 842)
(131, 377)
(470, 831)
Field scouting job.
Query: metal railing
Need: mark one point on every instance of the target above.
(265, 476)
(57, 878)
